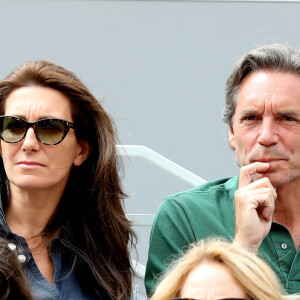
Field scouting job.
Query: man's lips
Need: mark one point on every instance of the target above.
(274, 164)
(267, 160)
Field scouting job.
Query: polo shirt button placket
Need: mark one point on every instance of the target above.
(284, 246)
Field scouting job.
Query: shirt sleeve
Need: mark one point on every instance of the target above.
(171, 234)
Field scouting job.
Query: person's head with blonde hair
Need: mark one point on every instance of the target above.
(216, 269)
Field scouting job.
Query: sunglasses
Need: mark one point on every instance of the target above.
(48, 131)
(217, 299)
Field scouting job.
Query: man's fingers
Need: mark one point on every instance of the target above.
(249, 172)
(259, 184)
(260, 196)
(254, 205)
(267, 213)
(261, 200)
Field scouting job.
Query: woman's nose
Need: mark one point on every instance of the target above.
(30, 142)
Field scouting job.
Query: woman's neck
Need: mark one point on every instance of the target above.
(29, 212)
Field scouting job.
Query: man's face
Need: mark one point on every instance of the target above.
(266, 124)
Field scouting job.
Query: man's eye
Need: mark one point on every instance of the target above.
(290, 119)
(250, 118)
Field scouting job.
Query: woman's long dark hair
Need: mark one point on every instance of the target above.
(13, 284)
(91, 212)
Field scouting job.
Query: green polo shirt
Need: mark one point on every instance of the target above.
(208, 211)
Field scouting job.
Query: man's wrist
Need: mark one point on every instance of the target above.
(253, 248)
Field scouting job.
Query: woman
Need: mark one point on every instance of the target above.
(12, 280)
(219, 270)
(60, 189)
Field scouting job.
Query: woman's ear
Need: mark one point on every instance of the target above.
(84, 150)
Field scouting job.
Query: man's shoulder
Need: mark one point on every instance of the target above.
(210, 191)
(210, 203)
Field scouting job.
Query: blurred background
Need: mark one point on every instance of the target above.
(158, 67)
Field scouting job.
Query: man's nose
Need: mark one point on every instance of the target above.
(268, 133)
(30, 142)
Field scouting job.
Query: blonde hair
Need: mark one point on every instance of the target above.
(255, 277)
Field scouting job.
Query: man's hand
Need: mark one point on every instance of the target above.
(254, 206)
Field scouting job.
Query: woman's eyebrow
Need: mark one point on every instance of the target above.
(39, 118)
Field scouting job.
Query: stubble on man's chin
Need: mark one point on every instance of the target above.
(276, 182)
(257, 176)
(254, 177)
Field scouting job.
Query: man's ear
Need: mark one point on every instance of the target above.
(84, 151)
(231, 137)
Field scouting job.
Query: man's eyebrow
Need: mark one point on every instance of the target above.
(291, 113)
(248, 112)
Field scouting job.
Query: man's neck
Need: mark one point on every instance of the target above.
(287, 205)
(287, 209)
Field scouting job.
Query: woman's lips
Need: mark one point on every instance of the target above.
(30, 164)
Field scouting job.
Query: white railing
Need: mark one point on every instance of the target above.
(161, 162)
(136, 151)
(138, 268)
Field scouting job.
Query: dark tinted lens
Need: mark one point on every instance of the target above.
(50, 131)
(12, 129)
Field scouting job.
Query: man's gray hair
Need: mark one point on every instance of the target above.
(278, 57)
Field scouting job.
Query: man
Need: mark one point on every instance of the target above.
(259, 209)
